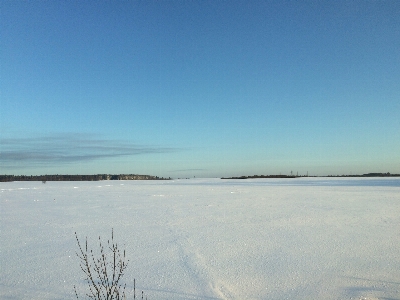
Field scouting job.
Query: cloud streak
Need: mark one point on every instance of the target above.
(68, 148)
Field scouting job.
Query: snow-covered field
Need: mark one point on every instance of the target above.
(303, 238)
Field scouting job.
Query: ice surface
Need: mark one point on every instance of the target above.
(303, 238)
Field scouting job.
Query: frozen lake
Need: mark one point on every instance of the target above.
(303, 238)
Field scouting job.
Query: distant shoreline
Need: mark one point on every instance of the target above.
(101, 177)
(260, 176)
(97, 177)
(296, 176)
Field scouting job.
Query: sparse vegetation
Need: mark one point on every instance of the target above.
(104, 273)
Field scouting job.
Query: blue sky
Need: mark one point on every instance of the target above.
(200, 88)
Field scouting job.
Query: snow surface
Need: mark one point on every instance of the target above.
(303, 238)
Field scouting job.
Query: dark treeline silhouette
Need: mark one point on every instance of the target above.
(367, 175)
(261, 176)
(293, 176)
(97, 177)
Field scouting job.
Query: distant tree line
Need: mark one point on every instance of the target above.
(97, 177)
(293, 176)
(368, 175)
(261, 176)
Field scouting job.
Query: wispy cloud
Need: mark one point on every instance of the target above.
(68, 148)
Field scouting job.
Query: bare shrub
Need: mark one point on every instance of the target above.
(104, 273)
